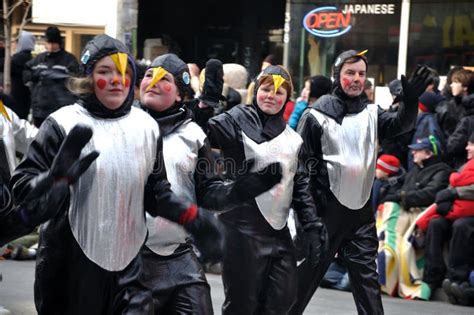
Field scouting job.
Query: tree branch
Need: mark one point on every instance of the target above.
(13, 7)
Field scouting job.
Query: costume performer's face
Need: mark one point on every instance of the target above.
(352, 78)
(470, 150)
(160, 96)
(268, 101)
(110, 87)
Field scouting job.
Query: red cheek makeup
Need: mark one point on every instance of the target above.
(101, 83)
(345, 83)
(167, 87)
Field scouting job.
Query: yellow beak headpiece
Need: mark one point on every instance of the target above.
(362, 53)
(278, 80)
(158, 74)
(4, 112)
(121, 62)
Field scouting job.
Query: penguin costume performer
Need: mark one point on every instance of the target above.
(15, 136)
(171, 269)
(259, 265)
(340, 133)
(88, 258)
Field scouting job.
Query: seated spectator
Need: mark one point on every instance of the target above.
(389, 177)
(400, 210)
(452, 219)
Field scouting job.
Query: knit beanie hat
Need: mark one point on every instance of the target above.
(53, 35)
(428, 101)
(320, 85)
(388, 163)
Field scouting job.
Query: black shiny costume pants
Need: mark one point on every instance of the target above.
(177, 282)
(259, 271)
(67, 282)
(352, 235)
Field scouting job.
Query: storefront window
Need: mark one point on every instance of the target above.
(373, 25)
(441, 34)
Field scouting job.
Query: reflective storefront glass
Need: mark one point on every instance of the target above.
(373, 26)
(441, 34)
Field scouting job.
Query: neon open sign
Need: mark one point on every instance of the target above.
(327, 22)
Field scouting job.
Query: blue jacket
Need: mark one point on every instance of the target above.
(296, 114)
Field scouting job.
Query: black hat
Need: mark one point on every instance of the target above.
(346, 55)
(277, 71)
(53, 35)
(430, 100)
(97, 48)
(101, 46)
(320, 85)
(178, 68)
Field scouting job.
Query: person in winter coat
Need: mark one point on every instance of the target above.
(88, 258)
(458, 139)
(259, 263)
(390, 174)
(456, 201)
(452, 220)
(428, 177)
(46, 76)
(189, 166)
(15, 136)
(450, 113)
(340, 133)
(401, 209)
(19, 91)
(426, 123)
(316, 87)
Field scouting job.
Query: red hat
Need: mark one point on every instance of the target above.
(388, 163)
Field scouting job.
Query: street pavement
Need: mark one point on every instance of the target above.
(16, 295)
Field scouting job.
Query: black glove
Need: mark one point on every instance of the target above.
(444, 207)
(249, 185)
(314, 241)
(207, 233)
(50, 189)
(213, 83)
(416, 85)
(67, 164)
(448, 194)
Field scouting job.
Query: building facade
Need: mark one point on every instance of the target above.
(398, 35)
